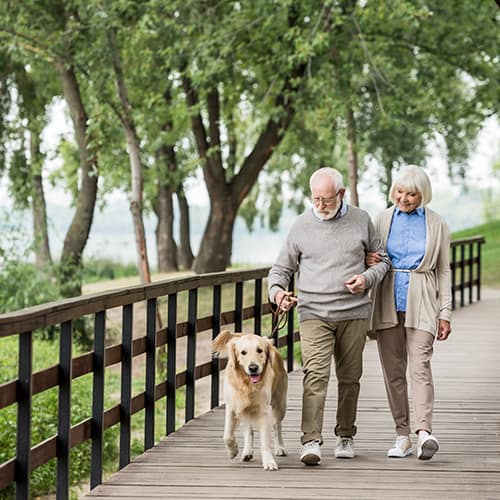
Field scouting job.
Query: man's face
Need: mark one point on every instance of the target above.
(325, 197)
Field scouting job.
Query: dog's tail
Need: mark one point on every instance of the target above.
(219, 344)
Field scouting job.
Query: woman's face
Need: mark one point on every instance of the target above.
(407, 201)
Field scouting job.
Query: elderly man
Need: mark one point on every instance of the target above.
(327, 246)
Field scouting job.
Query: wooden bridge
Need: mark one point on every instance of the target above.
(190, 461)
(192, 464)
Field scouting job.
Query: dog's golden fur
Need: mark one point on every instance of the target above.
(255, 393)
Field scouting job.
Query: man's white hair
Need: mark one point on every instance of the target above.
(334, 174)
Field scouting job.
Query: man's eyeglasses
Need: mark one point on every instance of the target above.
(317, 200)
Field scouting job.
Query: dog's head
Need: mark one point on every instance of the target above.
(249, 353)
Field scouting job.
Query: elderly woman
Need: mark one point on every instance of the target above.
(412, 305)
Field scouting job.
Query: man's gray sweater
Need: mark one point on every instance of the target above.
(325, 254)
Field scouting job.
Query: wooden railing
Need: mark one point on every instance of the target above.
(157, 296)
(466, 269)
(133, 344)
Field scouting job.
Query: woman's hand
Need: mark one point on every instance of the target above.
(372, 258)
(444, 329)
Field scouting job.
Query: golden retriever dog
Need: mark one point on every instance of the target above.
(255, 393)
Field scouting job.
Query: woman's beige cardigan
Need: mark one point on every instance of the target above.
(429, 290)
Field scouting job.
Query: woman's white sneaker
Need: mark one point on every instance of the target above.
(402, 447)
(427, 445)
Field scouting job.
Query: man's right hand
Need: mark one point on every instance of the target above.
(285, 300)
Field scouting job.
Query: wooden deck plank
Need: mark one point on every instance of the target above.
(192, 462)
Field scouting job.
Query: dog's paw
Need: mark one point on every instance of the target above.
(270, 465)
(280, 452)
(231, 447)
(247, 457)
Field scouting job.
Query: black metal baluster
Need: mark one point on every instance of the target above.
(64, 410)
(479, 270)
(126, 384)
(24, 402)
(462, 275)
(453, 275)
(191, 354)
(97, 429)
(290, 325)
(171, 361)
(238, 306)
(214, 382)
(149, 405)
(257, 324)
(471, 271)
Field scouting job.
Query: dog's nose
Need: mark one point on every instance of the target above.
(253, 368)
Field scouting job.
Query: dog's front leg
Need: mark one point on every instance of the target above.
(265, 429)
(229, 428)
(279, 445)
(248, 446)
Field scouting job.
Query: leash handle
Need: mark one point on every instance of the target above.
(280, 319)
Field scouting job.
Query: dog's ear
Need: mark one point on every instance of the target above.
(233, 354)
(274, 355)
(220, 343)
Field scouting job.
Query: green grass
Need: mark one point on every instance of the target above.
(490, 251)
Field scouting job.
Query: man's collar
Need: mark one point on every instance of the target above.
(418, 211)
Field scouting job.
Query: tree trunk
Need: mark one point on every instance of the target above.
(218, 236)
(136, 207)
(352, 154)
(166, 161)
(43, 258)
(225, 197)
(165, 242)
(78, 232)
(185, 254)
(134, 154)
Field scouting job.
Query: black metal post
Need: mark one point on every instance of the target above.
(191, 354)
(97, 426)
(149, 406)
(462, 275)
(238, 307)
(23, 434)
(453, 275)
(214, 382)
(171, 361)
(64, 410)
(479, 270)
(126, 384)
(258, 307)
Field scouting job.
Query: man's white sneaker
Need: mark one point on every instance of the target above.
(402, 447)
(344, 448)
(310, 454)
(427, 445)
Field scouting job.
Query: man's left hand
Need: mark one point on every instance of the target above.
(357, 284)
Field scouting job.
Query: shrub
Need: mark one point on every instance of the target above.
(106, 269)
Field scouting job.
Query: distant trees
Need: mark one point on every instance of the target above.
(158, 91)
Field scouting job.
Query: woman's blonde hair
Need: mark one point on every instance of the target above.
(412, 178)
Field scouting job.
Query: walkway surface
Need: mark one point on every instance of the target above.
(192, 462)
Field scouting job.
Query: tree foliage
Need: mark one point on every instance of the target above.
(255, 95)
